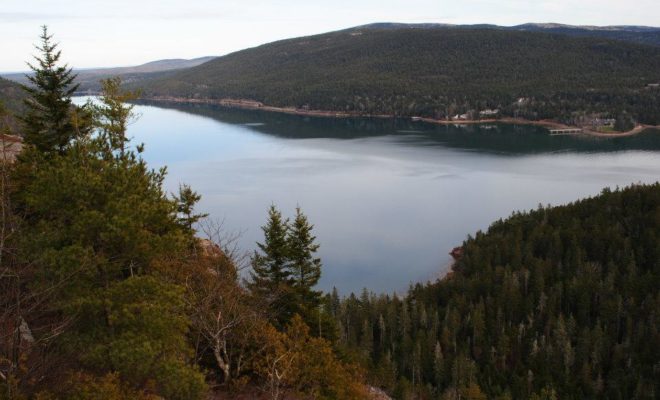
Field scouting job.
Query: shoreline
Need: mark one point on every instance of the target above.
(255, 105)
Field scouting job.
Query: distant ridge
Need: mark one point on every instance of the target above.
(538, 25)
(554, 25)
(152, 66)
(435, 71)
(630, 33)
(88, 78)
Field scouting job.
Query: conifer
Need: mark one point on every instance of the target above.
(270, 279)
(48, 122)
(305, 267)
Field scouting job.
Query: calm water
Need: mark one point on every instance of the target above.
(389, 198)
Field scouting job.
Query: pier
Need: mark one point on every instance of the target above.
(565, 131)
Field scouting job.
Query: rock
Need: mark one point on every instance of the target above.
(25, 332)
(377, 394)
(10, 146)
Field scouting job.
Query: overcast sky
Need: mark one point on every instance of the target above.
(103, 33)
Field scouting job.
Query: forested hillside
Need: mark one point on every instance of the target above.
(435, 73)
(634, 34)
(557, 303)
(11, 95)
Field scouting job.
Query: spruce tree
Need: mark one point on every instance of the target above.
(186, 201)
(270, 277)
(48, 122)
(305, 267)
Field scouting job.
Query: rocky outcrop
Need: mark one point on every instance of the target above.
(377, 394)
(10, 146)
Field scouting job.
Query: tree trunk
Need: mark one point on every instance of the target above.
(222, 363)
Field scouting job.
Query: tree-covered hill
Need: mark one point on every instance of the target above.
(11, 104)
(434, 72)
(647, 35)
(11, 95)
(635, 34)
(558, 303)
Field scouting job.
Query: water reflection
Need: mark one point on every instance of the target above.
(389, 198)
(495, 138)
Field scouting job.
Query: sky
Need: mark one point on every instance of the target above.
(108, 33)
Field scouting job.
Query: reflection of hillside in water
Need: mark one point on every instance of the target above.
(490, 138)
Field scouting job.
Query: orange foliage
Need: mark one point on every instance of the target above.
(306, 365)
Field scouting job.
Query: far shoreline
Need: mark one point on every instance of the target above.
(255, 105)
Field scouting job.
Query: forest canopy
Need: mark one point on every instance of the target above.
(433, 72)
(556, 303)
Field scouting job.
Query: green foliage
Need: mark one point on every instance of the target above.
(186, 201)
(140, 332)
(88, 201)
(306, 268)
(434, 73)
(113, 113)
(82, 386)
(12, 96)
(270, 275)
(624, 122)
(559, 302)
(48, 121)
(635, 34)
(285, 270)
(97, 228)
(105, 288)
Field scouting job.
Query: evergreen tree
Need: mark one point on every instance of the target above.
(99, 234)
(114, 113)
(48, 123)
(186, 201)
(305, 268)
(270, 278)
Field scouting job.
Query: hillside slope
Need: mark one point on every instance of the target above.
(11, 104)
(634, 34)
(11, 95)
(433, 72)
(646, 35)
(560, 302)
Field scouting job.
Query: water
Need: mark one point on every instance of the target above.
(389, 198)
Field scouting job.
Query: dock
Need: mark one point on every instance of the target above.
(565, 131)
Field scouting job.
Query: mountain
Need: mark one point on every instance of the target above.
(635, 34)
(89, 78)
(555, 303)
(11, 96)
(426, 71)
(153, 66)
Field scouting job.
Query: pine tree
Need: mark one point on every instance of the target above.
(114, 113)
(270, 279)
(186, 201)
(100, 235)
(305, 268)
(48, 123)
